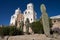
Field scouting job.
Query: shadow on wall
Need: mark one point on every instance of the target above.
(56, 30)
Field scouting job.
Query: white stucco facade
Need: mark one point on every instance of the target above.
(14, 16)
(55, 22)
(30, 13)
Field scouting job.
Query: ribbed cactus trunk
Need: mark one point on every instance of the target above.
(45, 21)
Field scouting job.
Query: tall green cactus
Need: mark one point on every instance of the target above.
(45, 20)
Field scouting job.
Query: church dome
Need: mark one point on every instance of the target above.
(18, 10)
(30, 6)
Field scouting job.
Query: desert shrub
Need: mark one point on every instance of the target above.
(10, 30)
(37, 27)
(14, 31)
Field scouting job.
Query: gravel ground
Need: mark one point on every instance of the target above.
(30, 37)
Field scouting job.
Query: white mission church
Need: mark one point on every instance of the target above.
(28, 13)
(18, 16)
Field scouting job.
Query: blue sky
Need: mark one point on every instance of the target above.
(8, 7)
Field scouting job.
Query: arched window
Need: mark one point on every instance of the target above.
(25, 12)
(28, 12)
(29, 7)
(31, 19)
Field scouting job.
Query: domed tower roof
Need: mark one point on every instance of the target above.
(30, 6)
(17, 11)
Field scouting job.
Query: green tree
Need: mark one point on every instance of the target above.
(27, 23)
(1, 32)
(4, 31)
(15, 31)
(50, 22)
(12, 30)
(21, 25)
(37, 27)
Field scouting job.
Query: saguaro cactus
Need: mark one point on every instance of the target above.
(45, 20)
